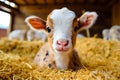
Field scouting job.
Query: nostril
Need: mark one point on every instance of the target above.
(66, 43)
(62, 42)
(59, 42)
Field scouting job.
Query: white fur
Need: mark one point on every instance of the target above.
(62, 22)
(62, 61)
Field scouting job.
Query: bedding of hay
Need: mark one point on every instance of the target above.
(101, 60)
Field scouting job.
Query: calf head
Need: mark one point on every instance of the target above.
(62, 26)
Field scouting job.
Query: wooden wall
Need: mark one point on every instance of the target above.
(116, 14)
(3, 32)
(104, 19)
(19, 22)
(107, 16)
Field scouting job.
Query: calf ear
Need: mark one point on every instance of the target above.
(87, 20)
(35, 23)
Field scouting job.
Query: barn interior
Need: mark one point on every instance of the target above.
(18, 10)
(100, 58)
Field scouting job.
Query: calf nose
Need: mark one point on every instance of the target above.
(62, 43)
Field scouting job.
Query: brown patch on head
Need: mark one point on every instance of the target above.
(74, 33)
(49, 21)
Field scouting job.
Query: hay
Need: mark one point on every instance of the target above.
(101, 60)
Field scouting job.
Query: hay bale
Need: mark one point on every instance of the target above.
(101, 60)
(21, 48)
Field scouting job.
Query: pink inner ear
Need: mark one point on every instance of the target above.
(88, 20)
(37, 23)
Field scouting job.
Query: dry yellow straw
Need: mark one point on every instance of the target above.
(88, 32)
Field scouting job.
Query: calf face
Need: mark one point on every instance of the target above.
(62, 27)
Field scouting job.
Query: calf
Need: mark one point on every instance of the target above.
(115, 32)
(62, 27)
(17, 34)
(35, 35)
(112, 34)
(106, 34)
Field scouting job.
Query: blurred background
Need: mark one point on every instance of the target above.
(13, 13)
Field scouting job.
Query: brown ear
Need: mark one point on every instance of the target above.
(35, 23)
(87, 20)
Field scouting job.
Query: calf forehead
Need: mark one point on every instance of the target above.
(62, 17)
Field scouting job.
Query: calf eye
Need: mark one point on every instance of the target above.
(48, 29)
(76, 28)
